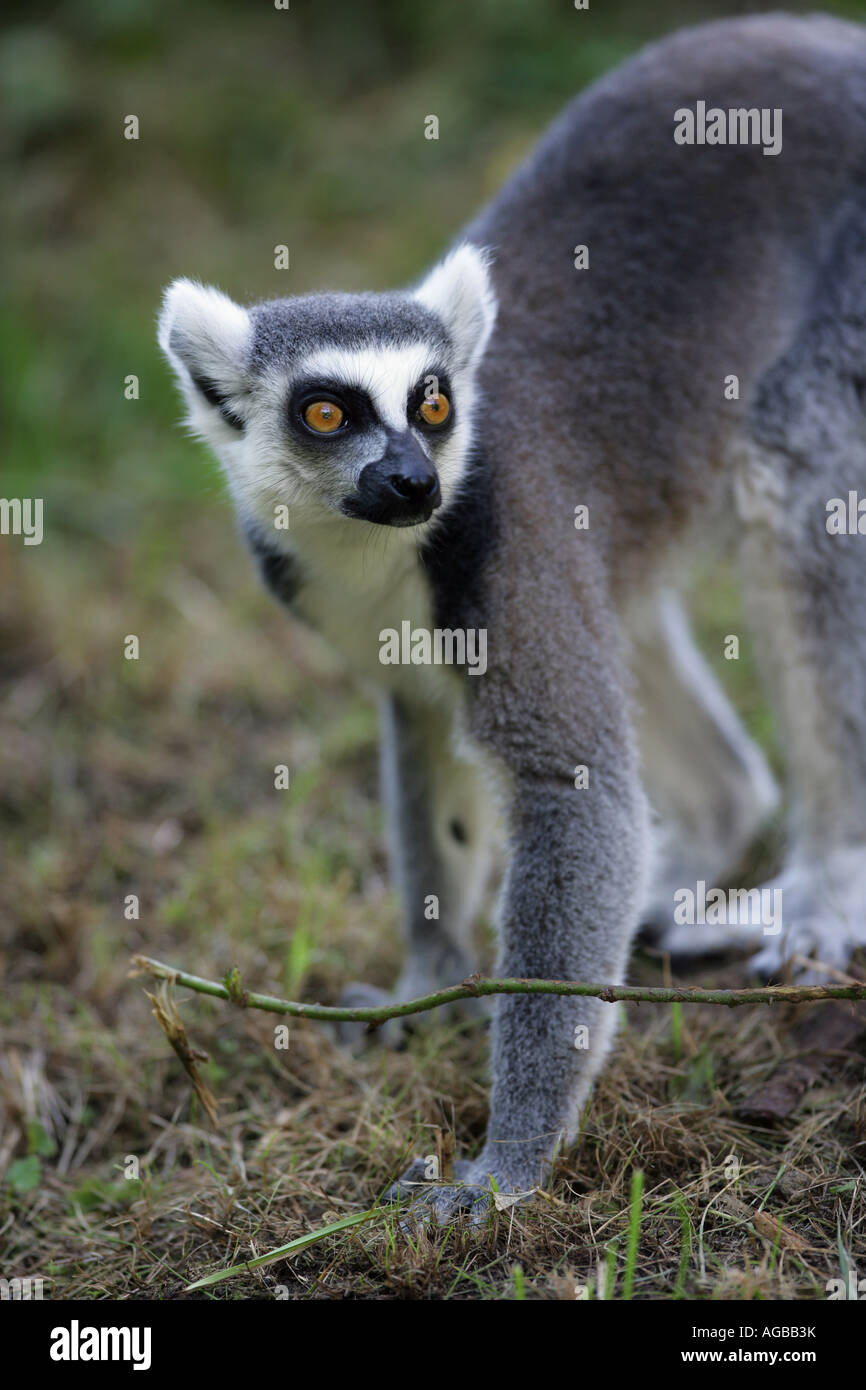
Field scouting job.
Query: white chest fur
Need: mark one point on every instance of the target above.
(358, 582)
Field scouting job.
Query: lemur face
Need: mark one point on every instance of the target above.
(339, 405)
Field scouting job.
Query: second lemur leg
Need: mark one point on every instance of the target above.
(708, 782)
(803, 463)
(440, 825)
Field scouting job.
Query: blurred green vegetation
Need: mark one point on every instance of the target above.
(258, 127)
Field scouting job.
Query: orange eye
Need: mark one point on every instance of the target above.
(434, 410)
(324, 417)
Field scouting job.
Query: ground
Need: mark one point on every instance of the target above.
(155, 778)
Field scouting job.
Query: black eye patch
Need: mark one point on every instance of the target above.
(425, 387)
(355, 404)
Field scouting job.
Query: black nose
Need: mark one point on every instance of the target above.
(415, 486)
(399, 489)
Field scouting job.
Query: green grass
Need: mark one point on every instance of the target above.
(633, 1233)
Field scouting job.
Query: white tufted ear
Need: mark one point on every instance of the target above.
(206, 338)
(460, 291)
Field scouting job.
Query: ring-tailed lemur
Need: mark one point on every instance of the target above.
(523, 445)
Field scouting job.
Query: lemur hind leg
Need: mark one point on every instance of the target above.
(709, 784)
(440, 832)
(807, 581)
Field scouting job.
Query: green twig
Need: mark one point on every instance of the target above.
(477, 985)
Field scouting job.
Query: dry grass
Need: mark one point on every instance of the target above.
(156, 778)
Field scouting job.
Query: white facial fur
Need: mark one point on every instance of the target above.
(203, 327)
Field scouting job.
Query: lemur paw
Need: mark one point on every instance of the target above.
(812, 918)
(823, 916)
(482, 1186)
(811, 951)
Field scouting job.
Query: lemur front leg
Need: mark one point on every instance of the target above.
(440, 833)
(571, 904)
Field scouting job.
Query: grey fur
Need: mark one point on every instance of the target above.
(286, 329)
(605, 388)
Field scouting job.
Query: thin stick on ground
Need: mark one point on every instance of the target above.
(476, 985)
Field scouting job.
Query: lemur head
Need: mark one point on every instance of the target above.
(351, 405)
